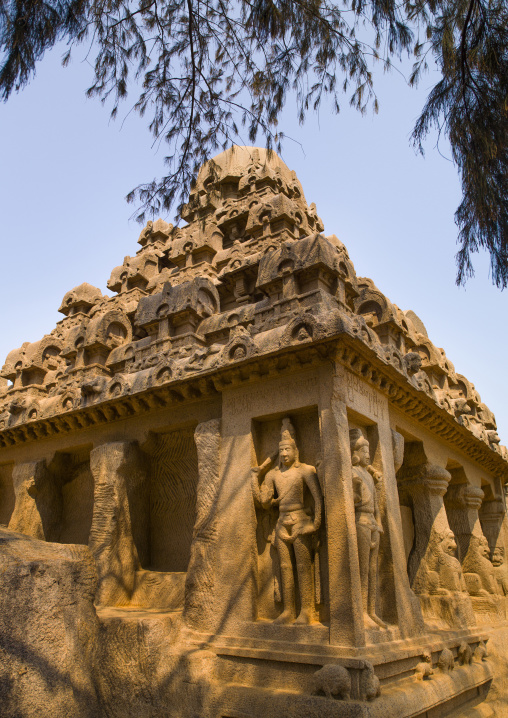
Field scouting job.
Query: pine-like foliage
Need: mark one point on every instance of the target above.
(469, 40)
(210, 73)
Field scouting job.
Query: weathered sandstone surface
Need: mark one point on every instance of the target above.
(247, 485)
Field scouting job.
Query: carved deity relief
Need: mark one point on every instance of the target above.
(368, 524)
(284, 487)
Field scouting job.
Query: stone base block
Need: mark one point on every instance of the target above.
(443, 695)
(48, 629)
(450, 611)
(488, 608)
(154, 589)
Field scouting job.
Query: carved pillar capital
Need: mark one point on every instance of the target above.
(491, 516)
(473, 497)
(464, 496)
(493, 510)
(426, 478)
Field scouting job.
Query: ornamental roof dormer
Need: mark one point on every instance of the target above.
(80, 299)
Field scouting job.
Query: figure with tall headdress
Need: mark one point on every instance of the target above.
(368, 524)
(285, 486)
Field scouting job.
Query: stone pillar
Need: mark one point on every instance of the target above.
(434, 571)
(492, 515)
(119, 486)
(499, 556)
(426, 484)
(233, 604)
(346, 611)
(38, 503)
(407, 609)
(401, 606)
(199, 611)
(465, 501)
(462, 503)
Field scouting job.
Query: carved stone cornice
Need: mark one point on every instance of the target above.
(342, 343)
(417, 404)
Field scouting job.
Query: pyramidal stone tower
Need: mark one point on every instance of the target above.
(247, 485)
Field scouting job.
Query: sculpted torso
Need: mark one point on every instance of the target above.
(364, 491)
(289, 485)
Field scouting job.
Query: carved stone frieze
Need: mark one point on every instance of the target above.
(251, 233)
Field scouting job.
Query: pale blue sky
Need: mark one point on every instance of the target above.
(65, 170)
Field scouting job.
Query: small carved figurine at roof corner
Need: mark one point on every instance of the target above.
(146, 232)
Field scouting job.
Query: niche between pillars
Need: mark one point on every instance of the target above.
(72, 479)
(266, 434)
(173, 488)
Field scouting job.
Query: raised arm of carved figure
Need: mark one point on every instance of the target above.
(267, 490)
(263, 493)
(377, 479)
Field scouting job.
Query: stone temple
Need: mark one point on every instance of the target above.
(247, 485)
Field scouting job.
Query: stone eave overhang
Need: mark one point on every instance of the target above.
(345, 348)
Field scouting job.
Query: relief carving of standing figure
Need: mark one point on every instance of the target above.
(368, 524)
(285, 486)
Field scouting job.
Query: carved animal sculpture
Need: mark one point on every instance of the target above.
(369, 683)
(500, 570)
(446, 662)
(465, 654)
(424, 670)
(480, 652)
(445, 572)
(93, 386)
(478, 570)
(17, 406)
(333, 680)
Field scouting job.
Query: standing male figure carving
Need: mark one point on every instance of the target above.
(285, 486)
(368, 524)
